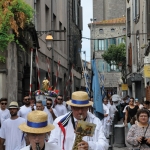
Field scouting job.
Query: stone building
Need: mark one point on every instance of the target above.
(53, 16)
(108, 9)
(137, 39)
(108, 27)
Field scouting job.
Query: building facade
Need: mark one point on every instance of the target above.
(106, 33)
(107, 27)
(137, 39)
(61, 63)
(108, 9)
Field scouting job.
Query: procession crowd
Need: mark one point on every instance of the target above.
(34, 126)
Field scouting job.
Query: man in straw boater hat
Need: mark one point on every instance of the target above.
(10, 133)
(63, 134)
(36, 128)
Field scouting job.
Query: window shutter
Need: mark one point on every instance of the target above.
(130, 56)
(96, 45)
(148, 19)
(80, 18)
(128, 22)
(134, 11)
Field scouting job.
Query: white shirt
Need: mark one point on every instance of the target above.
(23, 112)
(97, 142)
(112, 110)
(61, 109)
(12, 134)
(125, 108)
(105, 109)
(4, 114)
(48, 146)
(50, 117)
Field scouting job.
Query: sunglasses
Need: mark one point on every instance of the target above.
(59, 98)
(27, 99)
(3, 103)
(49, 104)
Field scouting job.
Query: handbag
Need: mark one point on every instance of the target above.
(132, 121)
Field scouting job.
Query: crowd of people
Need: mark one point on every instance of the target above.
(34, 126)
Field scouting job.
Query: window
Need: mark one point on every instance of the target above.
(136, 10)
(101, 65)
(47, 18)
(128, 23)
(112, 30)
(124, 29)
(75, 11)
(113, 67)
(101, 31)
(101, 44)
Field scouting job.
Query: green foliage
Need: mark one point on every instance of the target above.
(115, 54)
(14, 14)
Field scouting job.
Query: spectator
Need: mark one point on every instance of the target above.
(52, 111)
(39, 105)
(137, 103)
(10, 133)
(139, 134)
(131, 111)
(60, 108)
(4, 113)
(112, 110)
(106, 120)
(26, 108)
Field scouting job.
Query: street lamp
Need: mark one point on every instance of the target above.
(49, 39)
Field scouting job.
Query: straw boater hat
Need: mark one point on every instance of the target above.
(36, 123)
(13, 104)
(79, 99)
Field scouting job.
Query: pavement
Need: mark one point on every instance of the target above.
(128, 147)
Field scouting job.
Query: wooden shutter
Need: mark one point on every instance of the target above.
(128, 22)
(148, 19)
(130, 57)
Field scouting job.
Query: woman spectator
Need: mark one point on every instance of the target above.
(130, 113)
(139, 134)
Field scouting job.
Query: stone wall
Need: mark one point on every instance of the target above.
(108, 9)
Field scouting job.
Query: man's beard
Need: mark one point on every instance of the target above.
(48, 107)
(14, 114)
(27, 103)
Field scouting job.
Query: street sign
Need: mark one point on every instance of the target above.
(147, 71)
(124, 87)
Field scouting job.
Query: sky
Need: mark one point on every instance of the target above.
(87, 15)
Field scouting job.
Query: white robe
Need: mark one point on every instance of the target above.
(48, 146)
(97, 142)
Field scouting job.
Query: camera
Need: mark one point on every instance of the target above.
(144, 141)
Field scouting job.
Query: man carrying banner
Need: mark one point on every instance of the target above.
(63, 135)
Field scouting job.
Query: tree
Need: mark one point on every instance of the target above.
(116, 55)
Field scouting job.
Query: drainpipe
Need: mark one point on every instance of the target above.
(52, 28)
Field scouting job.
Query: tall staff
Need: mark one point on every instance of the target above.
(57, 73)
(38, 71)
(31, 72)
(48, 69)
